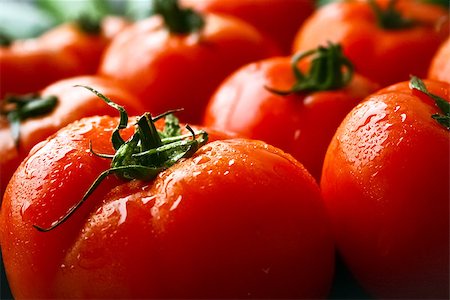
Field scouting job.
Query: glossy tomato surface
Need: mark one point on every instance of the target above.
(62, 52)
(386, 186)
(168, 70)
(301, 124)
(238, 219)
(73, 103)
(386, 56)
(278, 19)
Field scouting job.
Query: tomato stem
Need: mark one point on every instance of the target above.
(390, 18)
(444, 119)
(89, 24)
(145, 154)
(178, 20)
(20, 108)
(329, 70)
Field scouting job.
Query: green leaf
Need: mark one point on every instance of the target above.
(138, 9)
(324, 2)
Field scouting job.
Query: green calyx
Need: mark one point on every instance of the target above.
(178, 20)
(329, 70)
(91, 25)
(444, 119)
(390, 18)
(5, 40)
(145, 154)
(20, 108)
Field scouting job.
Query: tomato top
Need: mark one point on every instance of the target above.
(71, 104)
(385, 53)
(181, 70)
(386, 185)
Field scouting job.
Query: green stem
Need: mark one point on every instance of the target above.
(20, 108)
(145, 154)
(329, 70)
(178, 20)
(444, 119)
(390, 18)
(89, 24)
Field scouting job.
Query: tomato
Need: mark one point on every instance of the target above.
(62, 52)
(72, 104)
(280, 20)
(386, 186)
(301, 123)
(237, 218)
(440, 65)
(181, 67)
(386, 49)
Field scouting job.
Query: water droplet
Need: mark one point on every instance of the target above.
(231, 162)
(403, 117)
(176, 202)
(145, 200)
(201, 159)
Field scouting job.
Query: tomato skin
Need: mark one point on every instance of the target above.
(62, 52)
(182, 71)
(285, 16)
(214, 225)
(385, 56)
(385, 182)
(440, 65)
(73, 103)
(301, 124)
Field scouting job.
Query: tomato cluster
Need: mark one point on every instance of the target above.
(305, 134)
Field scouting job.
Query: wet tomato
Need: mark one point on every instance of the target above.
(386, 186)
(230, 219)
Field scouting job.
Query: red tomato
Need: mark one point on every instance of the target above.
(72, 104)
(279, 19)
(169, 69)
(301, 123)
(387, 53)
(238, 219)
(386, 186)
(62, 52)
(440, 65)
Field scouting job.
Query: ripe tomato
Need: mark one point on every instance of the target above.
(440, 65)
(181, 67)
(386, 48)
(386, 186)
(280, 20)
(71, 104)
(301, 123)
(62, 52)
(237, 219)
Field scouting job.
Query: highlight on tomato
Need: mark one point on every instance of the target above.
(440, 65)
(26, 120)
(67, 50)
(295, 103)
(387, 40)
(386, 182)
(180, 56)
(280, 20)
(106, 210)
